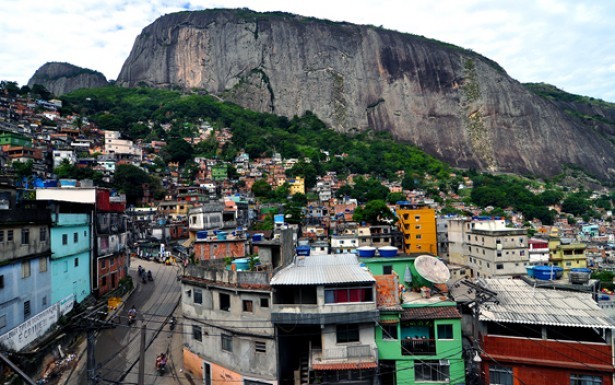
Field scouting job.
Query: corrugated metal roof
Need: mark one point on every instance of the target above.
(524, 304)
(323, 269)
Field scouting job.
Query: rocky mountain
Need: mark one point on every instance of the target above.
(61, 78)
(451, 102)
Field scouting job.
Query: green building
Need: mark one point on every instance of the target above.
(14, 139)
(219, 172)
(419, 333)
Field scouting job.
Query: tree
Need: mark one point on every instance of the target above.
(393, 198)
(575, 205)
(374, 212)
(261, 188)
(23, 169)
(130, 180)
(178, 150)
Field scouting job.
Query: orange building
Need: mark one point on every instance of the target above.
(418, 226)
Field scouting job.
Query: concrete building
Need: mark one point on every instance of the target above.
(71, 246)
(324, 311)
(541, 336)
(25, 275)
(418, 226)
(495, 250)
(567, 254)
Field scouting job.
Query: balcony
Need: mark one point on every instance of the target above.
(356, 357)
(418, 346)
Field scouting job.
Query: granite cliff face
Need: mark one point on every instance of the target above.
(453, 103)
(62, 78)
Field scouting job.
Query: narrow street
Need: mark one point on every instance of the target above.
(118, 350)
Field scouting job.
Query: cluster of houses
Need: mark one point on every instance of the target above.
(427, 299)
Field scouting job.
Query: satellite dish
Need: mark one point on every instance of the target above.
(432, 269)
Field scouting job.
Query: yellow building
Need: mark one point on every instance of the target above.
(297, 185)
(418, 226)
(567, 254)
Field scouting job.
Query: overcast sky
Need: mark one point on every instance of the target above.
(567, 43)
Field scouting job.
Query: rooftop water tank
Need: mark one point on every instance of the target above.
(548, 273)
(579, 275)
(303, 250)
(366, 251)
(387, 251)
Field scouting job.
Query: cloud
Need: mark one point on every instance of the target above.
(562, 42)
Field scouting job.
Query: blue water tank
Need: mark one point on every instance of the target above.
(201, 234)
(222, 235)
(303, 250)
(257, 237)
(241, 264)
(548, 273)
(366, 251)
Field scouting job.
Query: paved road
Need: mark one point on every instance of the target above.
(118, 350)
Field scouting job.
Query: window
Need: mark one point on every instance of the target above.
(445, 332)
(264, 302)
(2, 321)
(500, 375)
(65, 239)
(42, 264)
(387, 269)
(419, 236)
(585, 379)
(1, 281)
(225, 302)
(227, 342)
(347, 333)
(9, 235)
(499, 266)
(25, 269)
(25, 236)
(42, 234)
(75, 237)
(104, 281)
(260, 347)
(389, 332)
(197, 334)
(348, 294)
(198, 296)
(85, 233)
(26, 309)
(427, 370)
(247, 306)
(44, 301)
(2, 237)
(76, 262)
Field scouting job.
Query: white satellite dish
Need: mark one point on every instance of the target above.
(432, 269)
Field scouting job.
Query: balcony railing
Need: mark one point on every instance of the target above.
(346, 354)
(421, 346)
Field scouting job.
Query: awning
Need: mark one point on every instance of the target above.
(188, 242)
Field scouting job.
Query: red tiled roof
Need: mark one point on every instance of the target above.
(345, 366)
(430, 312)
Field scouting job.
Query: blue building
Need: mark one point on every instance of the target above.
(71, 240)
(26, 309)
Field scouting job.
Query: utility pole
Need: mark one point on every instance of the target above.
(482, 295)
(141, 378)
(91, 363)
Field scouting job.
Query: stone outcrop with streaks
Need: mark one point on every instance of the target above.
(62, 78)
(453, 103)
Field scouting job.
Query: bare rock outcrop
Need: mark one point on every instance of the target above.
(453, 103)
(61, 78)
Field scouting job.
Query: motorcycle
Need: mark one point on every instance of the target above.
(131, 319)
(172, 323)
(161, 365)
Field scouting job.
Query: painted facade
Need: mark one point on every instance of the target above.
(71, 256)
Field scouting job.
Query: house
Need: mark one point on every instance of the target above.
(539, 336)
(25, 275)
(110, 259)
(567, 253)
(493, 249)
(71, 240)
(324, 312)
(419, 332)
(418, 226)
(226, 317)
